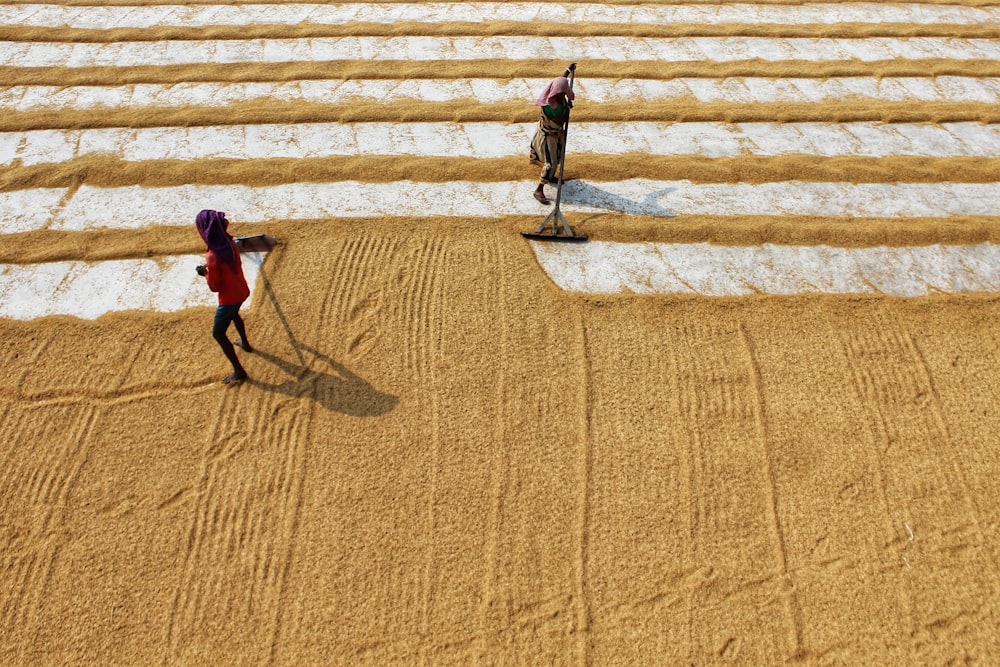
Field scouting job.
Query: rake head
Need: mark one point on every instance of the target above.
(256, 243)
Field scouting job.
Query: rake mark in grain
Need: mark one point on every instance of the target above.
(781, 545)
(35, 495)
(497, 68)
(921, 480)
(582, 592)
(418, 282)
(426, 295)
(927, 397)
(865, 353)
(691, 382)
(719, 404)
(102, 172)
(291, 481)
(707, 398)
(181, 613)
(264, 111)
(430, 299)
(492, 259)
(364, 296)
(343, 274)
(354, 273)
(243, 525)
(341, 271)
(352, 300)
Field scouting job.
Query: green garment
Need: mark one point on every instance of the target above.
(552, 112)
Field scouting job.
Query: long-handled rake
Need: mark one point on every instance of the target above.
(559, 229)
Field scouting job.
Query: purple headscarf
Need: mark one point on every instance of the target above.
(556, 87)
(212, 226)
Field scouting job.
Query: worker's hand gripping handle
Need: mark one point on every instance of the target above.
(570, 74)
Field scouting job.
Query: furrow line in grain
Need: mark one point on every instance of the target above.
(759, 409)
(28, 56)
(426, 346)
(342, 276)
(21, 372)
(412, 262)
(382, 253)
(294, 472)
(931, 494)
(692, 378)
(583, 597)
(401, 306)
(19, 557)
(939, 434)
(50, 485)
(732, 472)
(741, 230)
(334, 265)
(73, 396)
(237, 515)
(691, 381)
(42, 503)
(720, 413)
(399, 70)
(419, 326)
(80, 435)
(186, 604)
(357, 284)
(255, 559)
(492, 258)
(104, 172)
(269, 113)
(354, 277)
(270, 498)
(857, 354)
(19, 587)
(504, 99)
(435, 309)
(493, 16)
(687, 449)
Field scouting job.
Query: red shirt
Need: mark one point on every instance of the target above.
(227, 280)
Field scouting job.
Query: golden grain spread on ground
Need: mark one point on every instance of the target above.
(441, 457)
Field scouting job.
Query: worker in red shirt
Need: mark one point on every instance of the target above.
(223, 270)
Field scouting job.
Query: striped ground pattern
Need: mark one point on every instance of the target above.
(432, 465)
(825, 111)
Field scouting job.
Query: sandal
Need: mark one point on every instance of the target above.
(540, 196)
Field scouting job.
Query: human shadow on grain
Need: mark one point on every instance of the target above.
(582, 193)
(338, 391)
(335, 388)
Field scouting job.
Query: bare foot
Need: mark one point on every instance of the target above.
(540, 196)
(235, 377)
(242, 345)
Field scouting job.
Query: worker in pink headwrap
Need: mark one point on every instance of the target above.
(223, 270)
(550, 138)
